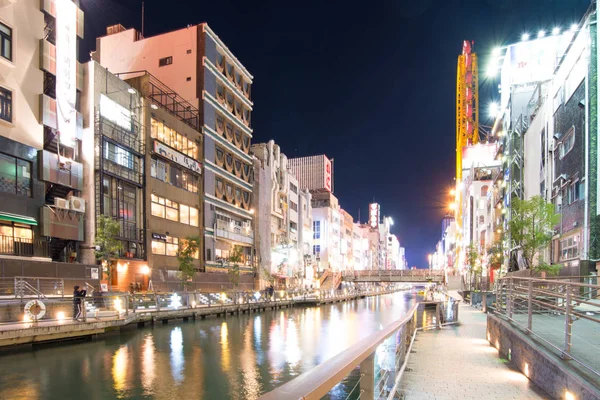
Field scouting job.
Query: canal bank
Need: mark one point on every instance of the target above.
(237, 358)
(22, 334)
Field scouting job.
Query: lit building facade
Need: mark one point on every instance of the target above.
(346, 241)
(197, 65)
(276, 197)
(314, 173)
(41, 174)
(326, 232)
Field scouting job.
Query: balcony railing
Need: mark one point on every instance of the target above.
(15, 246)
(236, 233)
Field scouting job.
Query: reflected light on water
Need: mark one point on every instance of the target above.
(148, 366)
(225, 362)
(292, 347)
(177, 361)
(119, 368)
(252, 387)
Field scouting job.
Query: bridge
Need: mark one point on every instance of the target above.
(396, 276)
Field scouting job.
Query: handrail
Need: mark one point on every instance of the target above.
(318, 381)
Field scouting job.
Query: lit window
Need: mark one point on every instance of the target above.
(5, 104)
(5, 42)
(172, 246)
(172, 209)
(158, 247)
(15, 176)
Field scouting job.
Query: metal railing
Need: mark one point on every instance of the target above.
(381, 358)
(561, 315)
(25, 287)
(425, 273)
(114, 306)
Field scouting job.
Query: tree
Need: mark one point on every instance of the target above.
(474, 261)
(531, 228)
(186, 255)
(107, 244)
(496, 253)
(234, 269)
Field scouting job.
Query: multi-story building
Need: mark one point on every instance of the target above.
(197, 65)
(548, 138)
(277, 217)
(305, 236)
(326, 232)
(41, 175)
(143, 171)
(346, 241)
(393, 252)
(363, 256)
(314, 173)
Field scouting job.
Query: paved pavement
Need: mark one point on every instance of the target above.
(458, 363)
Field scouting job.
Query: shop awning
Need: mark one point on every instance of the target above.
(20, 219)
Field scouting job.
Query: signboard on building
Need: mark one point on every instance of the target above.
(159, 236)
(374, 215)
(479, 155)
(177, 157)
(327, 180)
(114, 112)
(66, 71)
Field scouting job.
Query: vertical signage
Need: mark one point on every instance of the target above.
(327, 181)
(66, 70)
(374, 215)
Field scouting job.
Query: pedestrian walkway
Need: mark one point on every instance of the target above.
(458, 363)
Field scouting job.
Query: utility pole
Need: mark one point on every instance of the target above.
(143, 18)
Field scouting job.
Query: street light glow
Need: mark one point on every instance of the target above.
(493, 109)
(556, 31)
(525, 37)
(541, 33)
(496, 52)
(574, 28)
(491, 70)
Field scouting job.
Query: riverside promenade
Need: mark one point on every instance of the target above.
(464, 365)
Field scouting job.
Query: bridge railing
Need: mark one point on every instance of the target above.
(381, 358)
(393, 272)
(561, 315)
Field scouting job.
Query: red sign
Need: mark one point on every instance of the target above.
(327, 181)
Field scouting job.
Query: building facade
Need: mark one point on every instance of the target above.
(197, 65)
(314, 173)
(41, 175)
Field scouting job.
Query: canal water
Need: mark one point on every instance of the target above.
(238, 357)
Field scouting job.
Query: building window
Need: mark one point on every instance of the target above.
(574, 193)
(164, 208)
(293, 226)
(569, 248)
(5, 42)
(316, 229)
(293, 188)
(293, 206)
(119, 156)
(165, 61)
(173, 139)
(317, 250)
(173, 175)
(188, 79)
(168, 247)
(5, 104)
(16, 239)
(208, 255)
(15, 175)
(567, 143)
(484, 191)
(188, 215)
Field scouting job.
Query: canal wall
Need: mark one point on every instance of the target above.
(553, 375)
(29, 334)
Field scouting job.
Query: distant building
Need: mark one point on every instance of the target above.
(314, 173)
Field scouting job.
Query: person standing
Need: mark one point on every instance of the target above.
(78, 295)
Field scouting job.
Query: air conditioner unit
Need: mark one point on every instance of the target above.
(575, 224)
(77, 204)
(61, 203)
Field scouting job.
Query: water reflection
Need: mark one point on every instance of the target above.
(177, 361)
(237, 358)
(148, 365)
(119, 369)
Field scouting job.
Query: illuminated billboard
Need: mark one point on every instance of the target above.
(66, 70)
(374, 215)
(479, 155)
(327, 175)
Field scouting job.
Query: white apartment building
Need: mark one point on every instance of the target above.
(326, 232)
(314, 173)
(305, 236)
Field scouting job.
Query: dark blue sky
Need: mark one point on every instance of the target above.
(369, 83)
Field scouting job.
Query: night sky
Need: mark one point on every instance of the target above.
(369, 83)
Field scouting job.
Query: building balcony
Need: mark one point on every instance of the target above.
(235, 233)
(60, 223)
(62, 171)
(21, 247)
